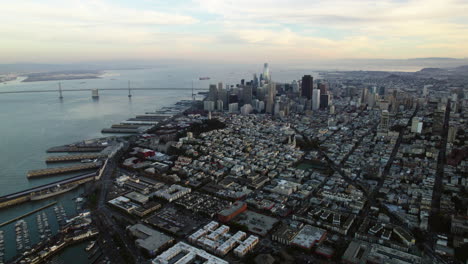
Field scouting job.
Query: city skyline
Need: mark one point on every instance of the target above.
(275, 31)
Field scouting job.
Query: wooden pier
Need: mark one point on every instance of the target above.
(120, 130)
(24, 215)
(78, 157)
(126, 126)
(62, 170)
(76, 149)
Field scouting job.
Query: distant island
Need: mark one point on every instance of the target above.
(7, 77)
(62, 75)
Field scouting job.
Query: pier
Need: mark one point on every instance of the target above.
(62, 170)
(67, 158)
(24, 215)
(76, 149)
(120, 130)
(135, 126)
(25, 195)
(42, 257)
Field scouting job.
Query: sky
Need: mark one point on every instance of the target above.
(68, 31)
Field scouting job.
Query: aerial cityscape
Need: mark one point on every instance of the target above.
(212, 132)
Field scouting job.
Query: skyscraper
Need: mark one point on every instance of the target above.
(323, 88)
(247, 94)
(266, 72)
(316, 99)
(255, 81)
(270, 97)
(295, 86)
(307, 86)
(213, 93)
(324, 100)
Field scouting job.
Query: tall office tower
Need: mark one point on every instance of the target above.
(295, 86)
(323, 87)
(208, 105)
(384, 121)
(324, 100)
(364, 96)
(233, 108)
(276, 107)
(255, 81)
(261, 92)
(438, 121)
(223, 96)
(261, 106)
(315, 99)
(266, 72)
(416, 125)
(371, 99)
(307, 86)
(247, 94)
(213, 93)
(220, 105)
(220, 86)
(382, 91)
(270, 97)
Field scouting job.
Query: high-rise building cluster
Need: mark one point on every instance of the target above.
(263, 95)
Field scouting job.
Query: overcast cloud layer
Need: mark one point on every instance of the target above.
(250, 30)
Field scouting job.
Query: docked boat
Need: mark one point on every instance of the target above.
(53, 192)
(90, 246)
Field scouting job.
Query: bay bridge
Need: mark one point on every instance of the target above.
(95, 91)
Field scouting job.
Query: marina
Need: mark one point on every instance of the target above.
(24, 215)
(23, 242)
(43, 226)
(60, 215)
(70, 131)
(62, 170)
(2, 248)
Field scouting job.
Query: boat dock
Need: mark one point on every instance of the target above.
(127, 126)
(120, 130)
(76, 149)
(24, 215)
(62, 170)
(42, 257)
(67, 158)
(26, 195)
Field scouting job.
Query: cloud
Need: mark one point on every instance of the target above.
(232, 30)
(89, 12)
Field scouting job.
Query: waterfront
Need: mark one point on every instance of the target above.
(32, 123)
